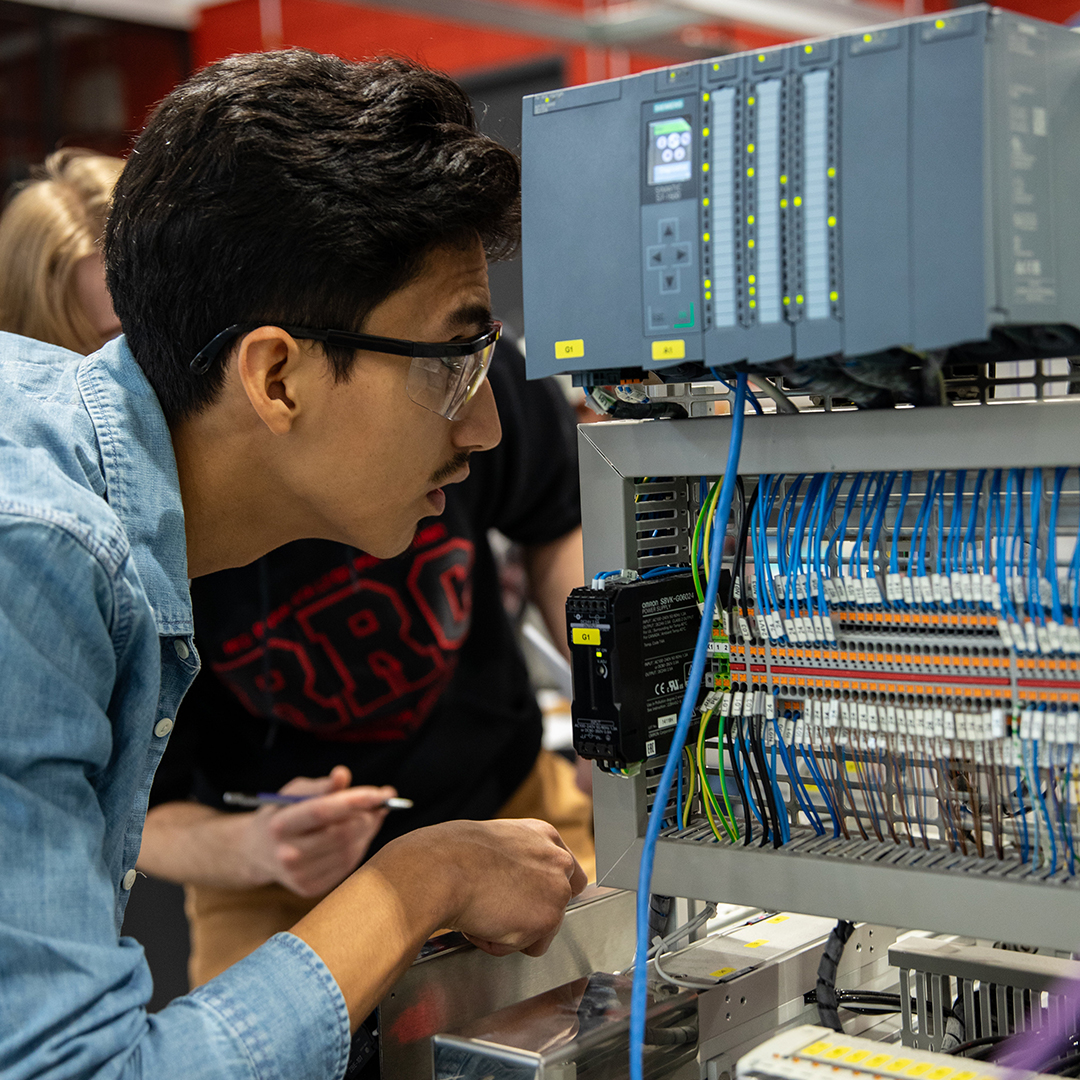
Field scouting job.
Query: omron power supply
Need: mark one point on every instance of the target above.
(632, 644)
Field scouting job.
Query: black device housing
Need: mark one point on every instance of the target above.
(632, 644)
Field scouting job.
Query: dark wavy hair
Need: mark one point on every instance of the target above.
(293, 187)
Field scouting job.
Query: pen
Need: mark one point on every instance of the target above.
(272, 798)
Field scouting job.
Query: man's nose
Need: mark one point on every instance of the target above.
(478, 426)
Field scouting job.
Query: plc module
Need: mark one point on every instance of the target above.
(910, 187)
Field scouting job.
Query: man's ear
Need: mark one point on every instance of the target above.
(267, 363)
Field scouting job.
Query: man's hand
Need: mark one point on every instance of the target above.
(505, 884)
(312, 846)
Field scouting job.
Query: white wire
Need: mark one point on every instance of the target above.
(688, 927)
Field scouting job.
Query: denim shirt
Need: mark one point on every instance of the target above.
(96, 652)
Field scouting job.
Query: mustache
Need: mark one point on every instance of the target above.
(454, 465)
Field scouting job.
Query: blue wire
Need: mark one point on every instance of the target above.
(1003, 550)
(1066, 817)
(639, 994)
(663, 571)
(1034, 604)
(894, 553)
(751, 397)
(1024, 848)
(879, 523)
(1042, 803)
(822, 787)
(1051, 547)
(841, 529)
(801, 794)
(781, 806)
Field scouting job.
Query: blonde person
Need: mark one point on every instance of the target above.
(52, 277)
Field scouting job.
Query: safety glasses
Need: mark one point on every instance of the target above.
(443, 376)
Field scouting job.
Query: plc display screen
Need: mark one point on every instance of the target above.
(670, 150)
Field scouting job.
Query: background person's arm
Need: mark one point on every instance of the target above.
(308, 848)
(553, 569)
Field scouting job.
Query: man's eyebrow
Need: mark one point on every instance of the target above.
(468, 317)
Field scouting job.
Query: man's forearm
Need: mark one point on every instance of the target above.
(193, 844)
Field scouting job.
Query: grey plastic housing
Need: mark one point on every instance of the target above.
(913, 185)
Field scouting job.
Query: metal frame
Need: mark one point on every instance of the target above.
(854, 881)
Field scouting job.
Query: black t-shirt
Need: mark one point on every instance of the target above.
(406, 670)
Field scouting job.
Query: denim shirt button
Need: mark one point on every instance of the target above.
(163, 727)
(129, 879)
(180, 645)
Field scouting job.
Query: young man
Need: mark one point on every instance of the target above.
(323, 662)
(272, 200)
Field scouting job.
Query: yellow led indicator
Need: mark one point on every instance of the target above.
(599, 655)
(940, 24)
(708, 295)
(570, 350)
(783, 204)
(708, 284)
(705, 132)
(716, 67)
(761, 58)
(750, 220)
(815, 1048)
(669, 350)
(705, 97)
(868, 38)
(808, 49)
(750, 172)
(750, 243)
(750, 148)
(752, 290)
(798, 200)
(585, 635)
(752, 279)
(705, 202)
(834, 296)
(706, 237)
(832, 221)
(787, 299)
(798, 298)
(832, 172)
(547, 99)
(705, 166)
(783, 179)
(753, 303)
(750, 101)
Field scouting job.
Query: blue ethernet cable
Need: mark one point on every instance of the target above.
(750, 396)
(682, 727)
(1051, 569)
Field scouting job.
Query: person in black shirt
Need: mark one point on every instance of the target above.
(322, 661)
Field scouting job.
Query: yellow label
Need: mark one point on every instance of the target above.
(942, 1072)
(964, 1076)
(899, 1063)
(779, 918)
(669, 350)
(570, 350)
(856, 1056)
(719, 973)
(836, 1052)
(878, 1061)
(585, 635)
(815, 1048)
(921, 1069)
(757, 944)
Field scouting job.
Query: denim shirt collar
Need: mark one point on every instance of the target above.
(142, 485)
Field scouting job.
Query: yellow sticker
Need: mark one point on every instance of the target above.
(836, 1052)
(719, 973)
(779, 918)
(964, 1076)
(669, 350)
(815, 1048)
(585, 635)
(919, 1069)
(570, 350)
(756, 944)
(942, 1072)
(878, 1061)
(899, 1063)
(856, 1056)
